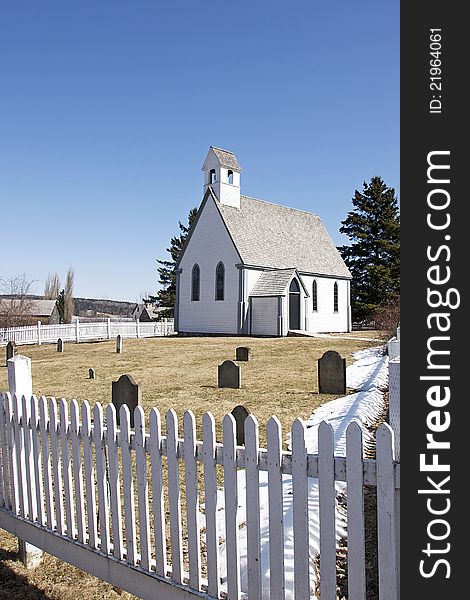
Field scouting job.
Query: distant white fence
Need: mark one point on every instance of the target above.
(86, 331)
(97, 496)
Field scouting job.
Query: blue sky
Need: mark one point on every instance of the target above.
(108, 108)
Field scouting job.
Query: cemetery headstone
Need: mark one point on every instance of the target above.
(126, 391)
(91, 373)
(240, 413)
(60, 345)
(229, 375)
(10, 352)
(119, 344)
(243, 353)
(331, 373)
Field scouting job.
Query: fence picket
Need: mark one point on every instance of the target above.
(210, 504)
(157, 492)
(4, 465)
(252, 507)
(231, 506)
(89, 475)
(114, 481)
(326, 493)
(101, 478)
(142, 488)
(28, 458)
(355, 502)
(18, 423)
(174, 495)
(11, 442)
(128, 485)
(67, 469)
(300, 511)
(276, 515)
(46, 462)
(192, 500)
(56, 466)
(77, 470)
(36, 460)
(386, 526)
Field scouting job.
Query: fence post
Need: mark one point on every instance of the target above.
(137, 328)
(39, 333)
(165, 326)
(77, 330)
(109, 328)
(20, 383)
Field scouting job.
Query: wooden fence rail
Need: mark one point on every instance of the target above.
(84, 331)
(110, 500)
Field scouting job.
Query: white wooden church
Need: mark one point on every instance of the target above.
(250, 267)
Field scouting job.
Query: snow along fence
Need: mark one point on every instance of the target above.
(97, 496)
(86, 331)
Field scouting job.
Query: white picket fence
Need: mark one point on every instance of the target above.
(101, 497)
(86, 331)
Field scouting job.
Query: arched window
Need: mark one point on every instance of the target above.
(335, 297)
(230, 176)
(219, 281)
(294, 287)
(212, 176)
(195, 283)
(314, 296)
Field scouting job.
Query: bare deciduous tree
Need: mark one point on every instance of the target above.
(52, 286)
(16, 305)
(68, 296)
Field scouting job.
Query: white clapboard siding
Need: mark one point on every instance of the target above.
(231, 506)
(89, 476)
(300, 508)
(101, 479)
(128, 485)
(77, 470)
(56, 466)
(210, 504)
(174, 495)
(114, 481)
(386, 512)
(355, 500)
(192, 499)
(326, 498)
(252, 507)
(67, 469)
(158, 491)
(142, 488)
(46, 463)
(276, 514)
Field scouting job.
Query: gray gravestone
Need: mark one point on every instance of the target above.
(126, 391)
(10, 352)
(229, 375)
(60, 345)
(240, 413)
(91, 373)
(243, 353)
(119, 344)
(331, 373)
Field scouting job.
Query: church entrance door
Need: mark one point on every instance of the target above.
(294, 305)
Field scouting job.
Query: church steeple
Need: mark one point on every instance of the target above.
(222, 172)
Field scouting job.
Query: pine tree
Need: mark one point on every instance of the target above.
(374, 255)
(166, 296)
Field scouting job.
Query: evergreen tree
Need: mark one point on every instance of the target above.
(374, 254)
(166, 296)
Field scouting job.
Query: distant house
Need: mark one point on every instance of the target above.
(26, 311)
(250, 267)
(147, 312)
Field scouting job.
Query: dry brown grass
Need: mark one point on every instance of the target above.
(179, 373)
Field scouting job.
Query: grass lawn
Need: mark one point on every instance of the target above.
(179, 373)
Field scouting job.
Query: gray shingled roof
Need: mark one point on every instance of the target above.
(278, 237)
(227, 158)
(35, 308)
(273, 283)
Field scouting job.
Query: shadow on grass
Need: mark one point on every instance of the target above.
(13, 585)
